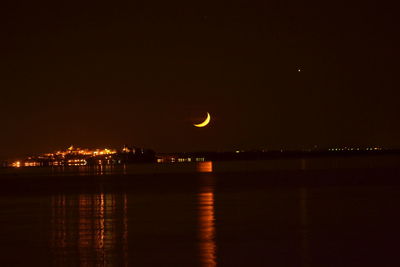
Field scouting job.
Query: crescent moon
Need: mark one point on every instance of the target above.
(205, 122)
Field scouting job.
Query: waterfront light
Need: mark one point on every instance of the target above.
(16, 164)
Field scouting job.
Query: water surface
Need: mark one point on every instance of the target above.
(324, 217)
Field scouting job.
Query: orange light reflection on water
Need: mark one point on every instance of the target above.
(90, 223)
(207, 228)
(206, 166)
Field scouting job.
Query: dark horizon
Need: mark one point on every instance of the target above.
(210, 155)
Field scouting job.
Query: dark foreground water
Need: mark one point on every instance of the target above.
(303, 217)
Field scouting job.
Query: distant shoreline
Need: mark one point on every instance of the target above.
(276, 154)
(180, 157)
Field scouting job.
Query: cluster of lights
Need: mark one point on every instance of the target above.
(16, 164)
(84, 152)
(60, 158)
(31, 164)
(76, 162)
(355, 149)
(173, 159)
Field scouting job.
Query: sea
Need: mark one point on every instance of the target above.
(331, 211)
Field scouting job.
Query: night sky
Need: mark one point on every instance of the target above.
(103, 74)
